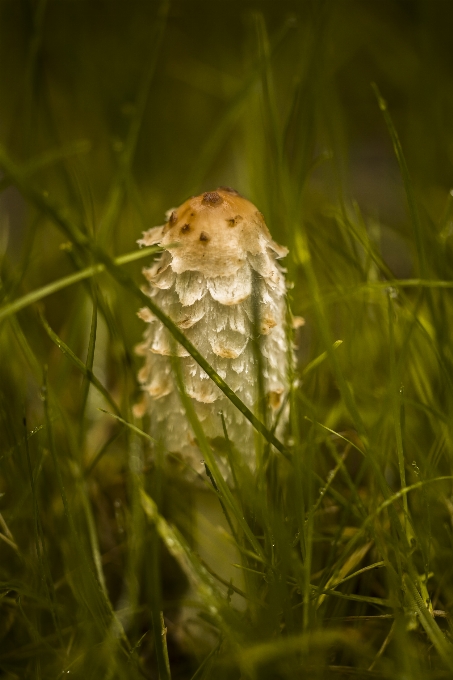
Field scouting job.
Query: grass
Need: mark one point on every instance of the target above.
(334, 560)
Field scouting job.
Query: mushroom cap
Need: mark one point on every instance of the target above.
(213, 233)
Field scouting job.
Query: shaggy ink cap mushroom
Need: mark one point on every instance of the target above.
(224, 253)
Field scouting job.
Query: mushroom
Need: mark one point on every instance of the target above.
(223, 271)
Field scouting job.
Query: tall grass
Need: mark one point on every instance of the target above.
(113, 565)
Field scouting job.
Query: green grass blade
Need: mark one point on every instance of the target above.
(117, 190)
(43, 292)
(103, 450)
(233, 111)
(49, 158)
(222, 487)
(201, 580)
(41, 551)
(438, 639)
(86, 372)
(131, 426)
(319, 359)
(408, 186)
(90, 357)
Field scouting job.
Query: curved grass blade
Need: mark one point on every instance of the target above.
(319, 359)
(102, 451)
(132, 427)
(222, 487)
(432, 630)
(90, 357)
(120, 182)
(408, 187)
(43, 292)
(204, 667)
(87, 372)
(41, 550)
(232, 112)
(202, 581)
(49, 158)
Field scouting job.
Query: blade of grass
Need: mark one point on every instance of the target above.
(319, 359)
(202, 581)
(11, 279)
(92, 534)
(262, 654)
(131, 426)
(33, 632)
(274, 153)
(445, 220)
(307, 530)
(262, 408)
(154, 582)
(376, 565)
(204, 667)
(41, 551)
(229, 449)
(222, 504)
(350, 563)
(49, 158)
(102, 451)
(89, 359)
(378, 601)
(438, 639)
(127, 153)
(41, 293)
(232, 112)
(222, 487)
(408, 186)
(16, 446)
(86, 372)
(137, 544)
(397, 405)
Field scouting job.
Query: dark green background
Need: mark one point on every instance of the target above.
(77, 77)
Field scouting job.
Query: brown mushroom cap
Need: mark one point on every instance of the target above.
(214, 232)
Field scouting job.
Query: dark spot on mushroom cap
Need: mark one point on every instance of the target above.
(204, 236)
(173, 217)
(232, 221)
(212, 198)
(230, 190)
(185, 228)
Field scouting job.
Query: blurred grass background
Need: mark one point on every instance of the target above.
(110, 114)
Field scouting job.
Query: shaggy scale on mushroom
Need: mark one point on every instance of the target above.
(225, 256)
